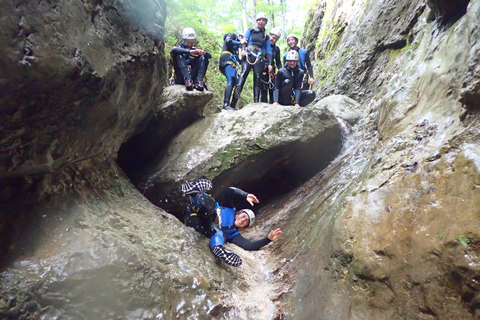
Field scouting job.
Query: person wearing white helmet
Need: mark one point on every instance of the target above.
(231, 221)
(304, 62)
(288, 84)
(256, 53)
(268, 78)
(189, 63)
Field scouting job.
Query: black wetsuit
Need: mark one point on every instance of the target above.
(188, 67)
(304, 64)
(259, 55)
(228, 63)
(288, 84)
(269, 86)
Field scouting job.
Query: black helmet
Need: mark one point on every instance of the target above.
(203, 204)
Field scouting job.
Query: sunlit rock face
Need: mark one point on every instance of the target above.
(76, 79)
(266, 149)
(178, 109)
(396, 216)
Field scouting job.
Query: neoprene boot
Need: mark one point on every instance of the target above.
(189, 85)
(229, 258)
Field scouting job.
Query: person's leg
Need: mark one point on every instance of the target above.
(216, 245)
(285, 94)
(246, 67)
(307, 97)
(257, 80)
(182, 75)
(231, 75)
(201, 69)
(264, 85)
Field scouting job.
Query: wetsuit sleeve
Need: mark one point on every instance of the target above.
(179, 50)
(247, 36)
(268, 52)
(308, 64)
(208, 55)
(284, 59)
(277, 58)
(298, 87)
(250, 245)
(232, 42)
(230, 195)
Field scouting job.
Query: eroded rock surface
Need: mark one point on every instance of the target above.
(178, 109)
(247, 148)
(394, 217)
(76, 79)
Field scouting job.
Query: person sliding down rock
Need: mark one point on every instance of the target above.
(231, 221)
(288, 84)
(189, 63)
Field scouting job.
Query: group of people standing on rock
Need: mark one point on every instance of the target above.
(287, 84)
(221, 222)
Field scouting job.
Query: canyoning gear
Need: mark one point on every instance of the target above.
(291, 35)
(268, 78)
(288, 87)
(258, 54)
(276, 32)
(227, 107)
(228, 230)
(188, 34)
(250, 215)
(193, 187)
(199, 86)
(203, 204)
(189, 85)
(261, 15)
(228, 64)
(202, 211)
(229, 258)
(292, 55)
(187, 67)
(304, 64)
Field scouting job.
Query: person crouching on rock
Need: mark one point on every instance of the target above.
(288, 84)
(228, 66)
(231, 221)
(189, 63)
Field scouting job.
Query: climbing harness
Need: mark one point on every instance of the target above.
(270, 83)
(254, 52)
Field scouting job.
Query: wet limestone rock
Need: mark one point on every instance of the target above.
(76, 78)
(107, 253)
(178, 109)
(244, 146)
(342, 107)
(396, 216)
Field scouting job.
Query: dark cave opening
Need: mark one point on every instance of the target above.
(279, 171)
(448, 12)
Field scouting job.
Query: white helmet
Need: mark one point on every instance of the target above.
(291, 35)
(292, 55)
(276, 32)
(188, 34)
(261, 15)
(250, 215)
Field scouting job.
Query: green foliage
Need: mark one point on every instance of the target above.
(211, 19)
(463, 240)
